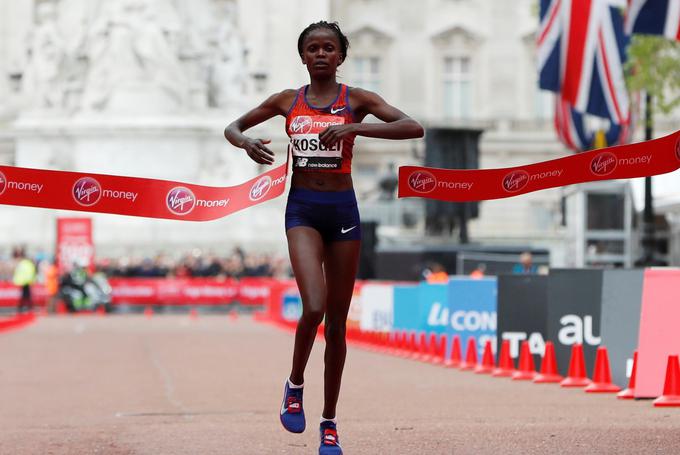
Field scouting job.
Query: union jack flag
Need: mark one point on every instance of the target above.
(581, 51)
(654, 17)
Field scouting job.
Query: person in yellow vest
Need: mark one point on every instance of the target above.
(24, 276)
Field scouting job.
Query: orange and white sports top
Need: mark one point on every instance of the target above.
(304, 122)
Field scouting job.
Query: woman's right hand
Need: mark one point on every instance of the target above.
(257, 151)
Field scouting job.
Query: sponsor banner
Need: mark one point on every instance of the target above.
(181, 291)
(10, 294)
(659, 334)
(574, 307)
(377, 307)
(433, 308)
(407, 308)
(291, 304)
(354, 313)
(254, 291)
(655, 157)
(523, 313)
(472, 310)
(620, 321)
(135, 196)
(74, 244)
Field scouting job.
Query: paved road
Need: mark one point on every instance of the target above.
(172, 385)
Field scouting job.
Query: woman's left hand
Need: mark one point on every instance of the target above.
(334, 134)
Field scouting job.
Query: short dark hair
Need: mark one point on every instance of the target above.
(332, 26)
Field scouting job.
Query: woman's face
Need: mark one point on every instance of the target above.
(321, 53)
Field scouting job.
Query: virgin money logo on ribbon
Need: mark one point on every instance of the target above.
(515, 181)
(422, 182)
(87, 191)
(677, 152)
(603, 164)
(302, 124)
(3, 182)
(180, 200)
(260, 188)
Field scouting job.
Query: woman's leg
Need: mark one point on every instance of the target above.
(340, 266)
(305, 247)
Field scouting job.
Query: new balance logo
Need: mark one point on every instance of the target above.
(345, 231)
(335, 111)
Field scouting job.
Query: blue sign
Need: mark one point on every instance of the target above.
(291, 306)
(406, 308)
(472, 310)
(433, 300)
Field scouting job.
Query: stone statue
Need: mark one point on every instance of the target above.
(41, 84)
(227, 67)
(133, 65)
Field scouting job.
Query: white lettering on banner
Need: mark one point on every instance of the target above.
(461, 320)
(455, 185)
(11, 293)
(577, 330)
(210, 291)
(254, 292)
(536, 342)
(24, 186)
(635, 160)
(211, 204)
(116, 194)
(133, 291)
(473, 320)
(543, 175)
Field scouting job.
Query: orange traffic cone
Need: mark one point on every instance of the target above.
(629, 393)
(487, 365)
(455, 358)
(602, 378)
(470, 355)
(505, 364)
(548, 372)
(671, 388)
(148, 311)
(527, 368)
(440, 351)
(576, 377)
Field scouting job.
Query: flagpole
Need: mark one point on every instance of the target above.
(648, 232)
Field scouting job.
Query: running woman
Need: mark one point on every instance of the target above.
(322, 219)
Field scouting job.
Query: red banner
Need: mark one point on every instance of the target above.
(74, 244)
(135, 196)
(10, 294)
(643, 159)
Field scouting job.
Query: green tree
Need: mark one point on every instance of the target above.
(653, 66)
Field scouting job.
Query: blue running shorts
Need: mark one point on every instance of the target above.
(333, 213)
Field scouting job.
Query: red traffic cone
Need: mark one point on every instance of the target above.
(148, 311)
(60, 307)
(193, 313)
(602, 378)
(440, 350)
(424, 353)
(548, 372)
(454, 359)
(412, 346)
(419, 347)
(576, 377)
(403, 346)
(527, 368)
(101, 311)
(470, 361)
(506, 366)
(671, 388)
(487, 365)
(431, 348)
(233, 314)
(629, 393)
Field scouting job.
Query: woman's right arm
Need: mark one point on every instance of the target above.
(276, 104)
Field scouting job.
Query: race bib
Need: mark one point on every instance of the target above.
(307, 150)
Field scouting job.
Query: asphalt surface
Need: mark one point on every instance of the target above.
(174, 385)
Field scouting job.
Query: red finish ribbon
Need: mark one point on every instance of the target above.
(643, 159)
(135, 196)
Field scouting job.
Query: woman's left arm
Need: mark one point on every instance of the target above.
(397, 124)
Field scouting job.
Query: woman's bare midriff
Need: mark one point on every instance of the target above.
(322, 181)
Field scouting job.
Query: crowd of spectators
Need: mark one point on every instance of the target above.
(197, 263)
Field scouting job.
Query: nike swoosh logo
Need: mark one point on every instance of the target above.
(335, 111)
(345, 231)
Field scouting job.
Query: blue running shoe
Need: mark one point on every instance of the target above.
(330, 443)
(292, 414)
